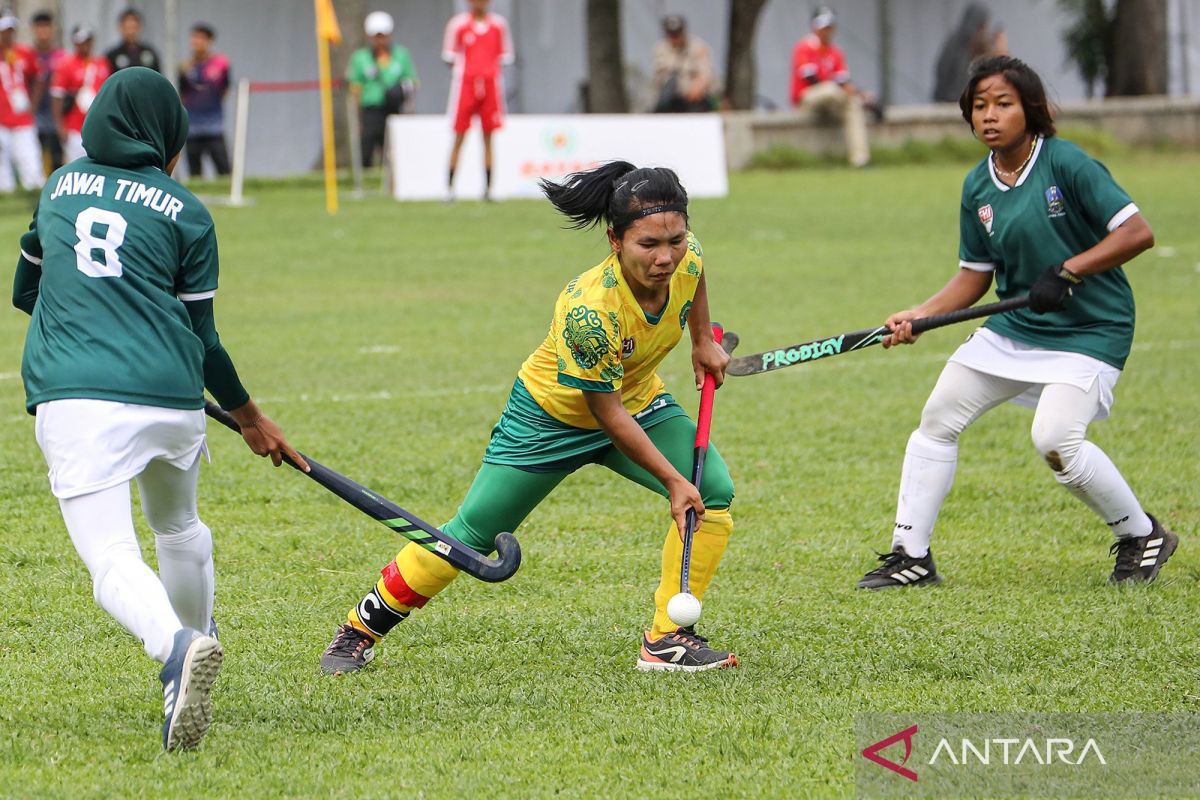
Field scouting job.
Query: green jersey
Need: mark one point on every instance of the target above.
(1064, 203)
(375, 78)
(115, 248)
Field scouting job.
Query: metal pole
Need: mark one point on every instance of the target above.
(885, 53)
(355, 142)
(171, 39)
(241, 128)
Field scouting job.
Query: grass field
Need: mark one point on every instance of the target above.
(385, 340)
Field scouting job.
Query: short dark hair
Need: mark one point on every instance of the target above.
(129, 12)
(42, 18)
(1039, 115)
(204, 28)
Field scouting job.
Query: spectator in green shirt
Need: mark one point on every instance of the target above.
(383, 80)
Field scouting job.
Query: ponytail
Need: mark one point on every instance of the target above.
(614, 193)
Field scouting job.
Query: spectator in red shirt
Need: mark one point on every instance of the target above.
(73, 88)
(821, 83)
(477, 45)
(18, 136)
(49, 55)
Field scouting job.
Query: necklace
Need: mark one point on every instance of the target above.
(1006, 174)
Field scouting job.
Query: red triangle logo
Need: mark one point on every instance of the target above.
(872, 753)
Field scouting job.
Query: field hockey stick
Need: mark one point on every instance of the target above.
(405, 523)
(699, 452)
(804, 352)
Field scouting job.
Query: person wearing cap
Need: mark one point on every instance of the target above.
(131, 51)
(74, 87)
(382, 79)
(203, 84)
(683, 70)
(477, 45)
(118, 272)
(821, 83)
(49, 55)
(18, 137)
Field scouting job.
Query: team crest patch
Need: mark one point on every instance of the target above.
(985, 216)
(1056, 206)
(584, 334)
(627, 348)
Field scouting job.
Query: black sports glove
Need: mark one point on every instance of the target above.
(1052, 291)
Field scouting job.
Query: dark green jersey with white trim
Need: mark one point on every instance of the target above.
(115, 249)
(1064, 203)
(119, 251)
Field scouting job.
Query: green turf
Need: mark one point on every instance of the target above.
(385, 341)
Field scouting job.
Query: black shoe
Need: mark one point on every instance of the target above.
(1139, 558)
(350, 651)
(682, 651)
(901, 569)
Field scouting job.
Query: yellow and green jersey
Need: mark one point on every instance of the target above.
(601, 340)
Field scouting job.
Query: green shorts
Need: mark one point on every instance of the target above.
(530, 439)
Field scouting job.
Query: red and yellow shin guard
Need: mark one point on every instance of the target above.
(708, 545)
(408, 583)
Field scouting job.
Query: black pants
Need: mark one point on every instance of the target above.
(214, 145)
(52, 153)
(374, 123)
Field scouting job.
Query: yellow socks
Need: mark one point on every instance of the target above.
(708, 545)
(408, 582)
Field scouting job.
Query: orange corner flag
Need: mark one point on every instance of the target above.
(327, 24)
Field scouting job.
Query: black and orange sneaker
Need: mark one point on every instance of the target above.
(682, 651)
(1139, 558)
(350, 651)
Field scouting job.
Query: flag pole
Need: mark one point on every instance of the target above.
(323, 42)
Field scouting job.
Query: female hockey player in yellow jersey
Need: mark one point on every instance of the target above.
(590, 394)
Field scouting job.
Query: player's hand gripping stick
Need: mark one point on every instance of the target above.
(405, 523)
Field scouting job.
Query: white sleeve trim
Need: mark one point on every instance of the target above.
(188, 297)
(978, 266)
(30, 259)
(1121, 217)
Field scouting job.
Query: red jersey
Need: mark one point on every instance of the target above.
(813, 62)
(477, 48)
(18, 68)
(77, 80)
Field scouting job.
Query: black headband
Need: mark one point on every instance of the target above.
(648, 210)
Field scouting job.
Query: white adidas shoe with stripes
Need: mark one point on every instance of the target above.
(900, 569)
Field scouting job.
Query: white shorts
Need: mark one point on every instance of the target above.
(73, 147)
(91, 445)
(993, 354)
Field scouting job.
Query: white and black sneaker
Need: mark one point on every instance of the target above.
(187, 679)
(1139, 558)
(900, 569)
(350, 651)
(681, 651)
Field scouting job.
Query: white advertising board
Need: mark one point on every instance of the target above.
(533, 146)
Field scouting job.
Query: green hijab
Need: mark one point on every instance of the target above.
(136, 120)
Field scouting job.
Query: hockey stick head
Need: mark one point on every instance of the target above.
(506, 562)
(730, 342)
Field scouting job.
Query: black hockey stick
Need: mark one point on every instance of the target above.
(804, 352)
(407, 524)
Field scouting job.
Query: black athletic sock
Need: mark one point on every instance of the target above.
(450, 180)
(488, 177)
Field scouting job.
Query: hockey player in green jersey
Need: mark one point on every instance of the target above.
(118, 271)
(1037, 216)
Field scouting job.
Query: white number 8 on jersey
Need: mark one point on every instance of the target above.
(114, 236)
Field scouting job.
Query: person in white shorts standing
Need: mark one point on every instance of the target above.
(1042, 217)
(118, 272)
